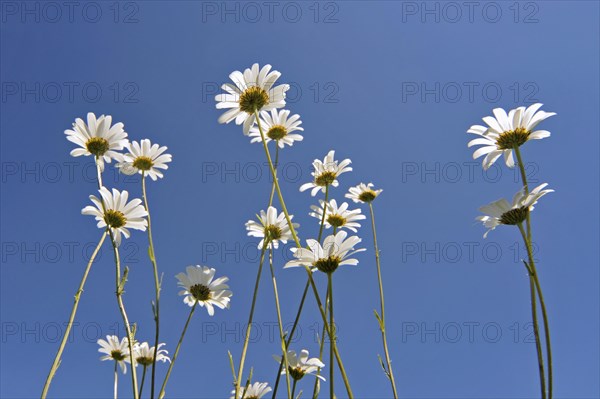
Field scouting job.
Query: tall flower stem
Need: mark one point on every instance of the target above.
(332, 335)
(65, 338)
(294, 388)
(280, 323)
(249, 324)
(275, 168)
(116, 385)
(308, 271)
(156, 306)
(161, 394)
(381, 318)
(321, 349)
(143, 379)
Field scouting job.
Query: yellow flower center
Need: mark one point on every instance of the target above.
(97, 146)
(117, 355)
(114, 219)
(336, 220)
(200, 292)
(253, 99)
(325, 179)
(272, 232)
(512, 138)
(277, 132)
(328, 265)
(367, 196)
(143, 163)
(514, 216)
(144, 360)
(296, 373)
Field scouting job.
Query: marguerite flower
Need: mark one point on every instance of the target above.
(271, 227)
(97, 138)
(506, 132)
(338, 217)
(335, 252)
(198, 286)
(144, 158)
(251, 92)
(115, 350)
(298, 367)
(113, 210)
(501, 212)
(363, 193)
(277, 125)
(144, 354)
(254, 391)
(326, 173)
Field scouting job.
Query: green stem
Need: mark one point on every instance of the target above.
(294, 388)
(116, 385)
(142, 382)
(325, 204)
(65, 338)
(388, 361)
(275, 167)
(187, 322)
(332, 335)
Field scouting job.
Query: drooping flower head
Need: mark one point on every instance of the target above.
(326, 173)
(337, 216)
(98, 138)
(335, 252)
(501, 212)
(144, 158)
(198, 286)
(271, 228)
(115, 349)
(299, 366)
(278, 126)
(113, 210)
(505, 132)
(363, 193)
(252, 91)
(254, 391)
(144, 354)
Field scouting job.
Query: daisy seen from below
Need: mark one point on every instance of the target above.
(251, 92)
(115, 349)
(363, 193)
(278, 126)
(144, 158)
(271, 228)
(254, 391)
(144, 354)
(335, 252)
(98, 138)
(337, 216)
(113, 210)
(501, 212)
(199, 287)
(326, 173)
(506, 132)
(299, 366)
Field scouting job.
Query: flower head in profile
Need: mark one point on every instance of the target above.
(363, 193)
(98, 138)
(278, 126)
(112, 210)
(326, 173)
(115, 349)
(144, 354)
(335, 252)
(337, 216)
(501, 212)
(144, 158)
(299, 366)
(199, 287)
(254, 391)
(252, 91)
(505, 132)
(271, 228)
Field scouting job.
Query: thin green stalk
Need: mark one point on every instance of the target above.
(161, 394)
(63, 342)
(325, 204)
(381, 318)
(152, 256)
(143, 378)
(546, 329)
(275, 167)
(294, 388)
(332, 337)
(116, 386)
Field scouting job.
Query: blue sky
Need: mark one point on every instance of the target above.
(392, 86)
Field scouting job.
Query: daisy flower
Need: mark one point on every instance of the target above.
(338, 217)
(363, 193)
(335, 252)
(198, 286)
(113, 211)
(326, 173)
(97, 138)
(271, 227)
(277, 125)
(501, 212)
(298, 367)
(144, 354)
(144, 158)
(252, 91)
(254, 391)
(505, 132)
(114, 349)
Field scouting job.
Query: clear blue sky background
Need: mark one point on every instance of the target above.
(377, 82)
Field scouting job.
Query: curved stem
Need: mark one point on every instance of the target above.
(381, 319)
(332, 335)
(187, 322)
(274, 167)
(325, 204)
(65, 337)
(546, 329)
